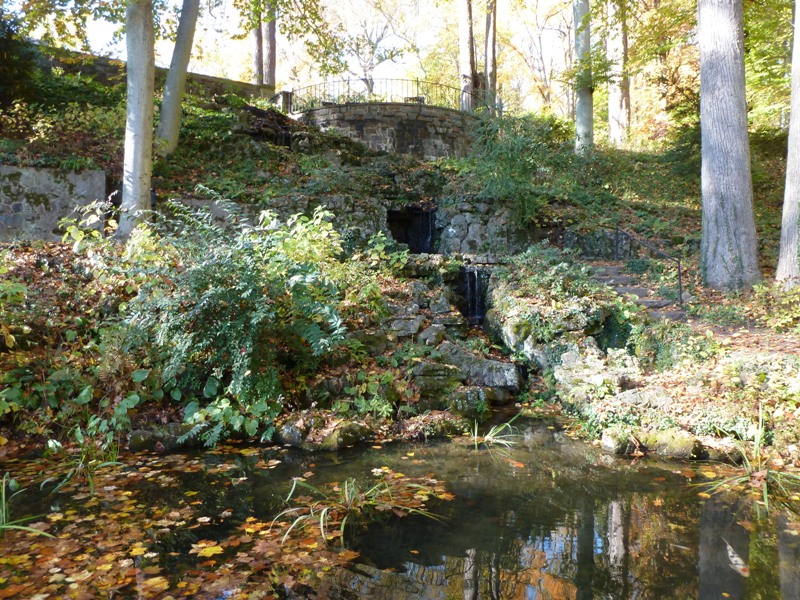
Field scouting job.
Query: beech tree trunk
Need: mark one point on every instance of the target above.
(584, 109)
(466, 54)
(728, 252)
(258, 52)
(169, 124)
(789, 258)
(138, 161)
(490, 68)
(619, 98)
(270, 45)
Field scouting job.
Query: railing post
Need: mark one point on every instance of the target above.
(680, 284)
(616, 242)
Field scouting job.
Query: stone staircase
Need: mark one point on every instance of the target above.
(628, 284)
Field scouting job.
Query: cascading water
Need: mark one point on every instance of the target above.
(475, 280)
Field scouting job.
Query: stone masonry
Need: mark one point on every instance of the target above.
(417, 129)
(32, 200)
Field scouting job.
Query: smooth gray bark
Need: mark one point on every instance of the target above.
(788, 272)
(619, 100)
(270, 45)
(138, 161)
(466, 53)
(258, 52)
(728, 252)
(490, 69)
(584, 109)
(169, 124)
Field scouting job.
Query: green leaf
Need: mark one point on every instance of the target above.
(85, 396)
(176, 394)
(140, 375)
(210, 389)
(71, 335)
(251, 426)
(190, 410)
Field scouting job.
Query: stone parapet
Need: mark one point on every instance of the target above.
(413, 128)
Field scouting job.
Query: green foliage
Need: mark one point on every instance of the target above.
(523, 159)
(96, 451)
(227, 308)
(367, 395)
(665, 344)
(18, 63)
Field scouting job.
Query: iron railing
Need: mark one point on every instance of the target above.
(405, 91)
(632, 239)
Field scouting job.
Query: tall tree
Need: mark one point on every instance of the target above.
(270, 44)
(466, 53)
(728, 251)
(490, 68)
(138, 161)
(789, 258)
(170, 119)
(584, 92)
(257, 36)
(619, 99)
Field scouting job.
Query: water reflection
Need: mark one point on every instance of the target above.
(549, 519)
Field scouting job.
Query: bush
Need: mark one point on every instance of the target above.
(18, 63)
(228, 309)
(523, 159)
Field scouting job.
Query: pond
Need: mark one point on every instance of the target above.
(548, 518)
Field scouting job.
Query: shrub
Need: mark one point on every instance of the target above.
(227, 308)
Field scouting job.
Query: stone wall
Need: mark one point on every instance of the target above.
(110, 71)
(481, 227)
(33, 200)
(417, 129)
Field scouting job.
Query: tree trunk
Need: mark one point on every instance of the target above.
(270, 45)
(789, 258)
(169, 124)
(584, 110)
(138, 161)
(466, 54)
(729, 253)
(619, 99)
(490, 69)
(258, 52)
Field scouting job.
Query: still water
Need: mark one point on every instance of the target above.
(548, 518)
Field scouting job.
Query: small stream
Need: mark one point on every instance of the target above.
(549, 518)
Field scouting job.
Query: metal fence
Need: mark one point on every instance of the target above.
(406, 91)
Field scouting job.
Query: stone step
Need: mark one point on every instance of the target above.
(675, 314)
(603, 270)
(641, 292)
(616, 279)
(653, 303)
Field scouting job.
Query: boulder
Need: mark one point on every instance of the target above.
(481, 371)
(405, 327)
(673, 442)
(347, 434)
(433, 335)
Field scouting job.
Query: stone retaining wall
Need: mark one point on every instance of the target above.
(417, 129)
(32, 200)
(109, 71)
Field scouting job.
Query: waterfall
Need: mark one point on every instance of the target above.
(474, 294)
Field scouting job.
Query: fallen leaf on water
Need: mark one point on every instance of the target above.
(704, 495)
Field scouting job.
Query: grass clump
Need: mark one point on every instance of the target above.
(335, 505)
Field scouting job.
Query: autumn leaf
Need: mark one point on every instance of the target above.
(206, 548)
